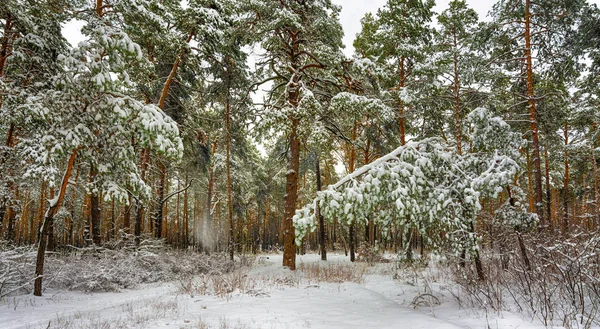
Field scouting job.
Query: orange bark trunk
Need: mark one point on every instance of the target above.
(55, 205)
(531, 104)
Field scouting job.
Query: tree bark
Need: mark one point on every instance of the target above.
(289, 232)
(158, 204)
(539, 209)
(51, 243)
(566, 192)
(548, 188)
(139, 207)
(401, 110)
(5, 50)
(228, 168)
(55, 205)
(457, 115)
(351, 167)
(127, 214)
(186, 223)
(322, 233)
(95, 211)
(207, 227)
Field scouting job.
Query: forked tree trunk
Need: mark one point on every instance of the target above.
(55, 205)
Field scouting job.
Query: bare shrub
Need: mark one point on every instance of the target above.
(552, 278)
(102, 269)
(370, 254)
(334, 273)
(17, 266)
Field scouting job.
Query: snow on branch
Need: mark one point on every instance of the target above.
(424, 184)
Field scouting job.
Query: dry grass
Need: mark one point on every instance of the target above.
(138, 314)
(333, 273)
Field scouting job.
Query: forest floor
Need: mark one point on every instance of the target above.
(264, 295)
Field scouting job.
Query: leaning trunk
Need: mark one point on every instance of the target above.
(55, 205)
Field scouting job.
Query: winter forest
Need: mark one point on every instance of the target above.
(224, 164)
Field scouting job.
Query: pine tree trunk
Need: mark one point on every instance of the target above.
(51, 243)
(533, 119)
(71, 222)
(371, 222)
(5, 50)
(158, 203)
(228, 168)
(127, 214)
(176, 230)
(401, 110)
(291, 184)
(186, 222)
(548, 189)
(25, 220)
(9, 203)
(318, 215)
(457, 116)
(139, 207)
(265, 236)
(351, 167)
(165, 210)
(524, 252)
(11, 213)
(289, 232)
(95, 211)
(566, 192)
(595, 220)
(48, 219)
(207, 227)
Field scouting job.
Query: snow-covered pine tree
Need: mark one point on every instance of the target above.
(87, 115)
(30, 42)
(427, 186)
(403, 40)
(527, 36)
(300, 39)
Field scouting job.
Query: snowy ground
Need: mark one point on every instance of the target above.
(265, 296)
